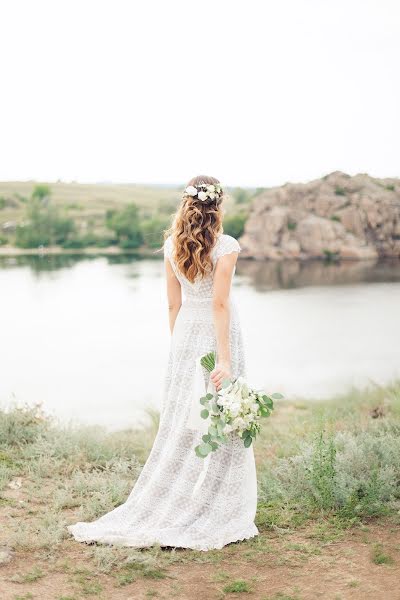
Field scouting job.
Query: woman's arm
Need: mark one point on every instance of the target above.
(222, 285)
(174, 294)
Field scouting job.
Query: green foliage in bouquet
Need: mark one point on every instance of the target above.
(222, 422)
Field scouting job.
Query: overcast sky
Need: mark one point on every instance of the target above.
(254, 92)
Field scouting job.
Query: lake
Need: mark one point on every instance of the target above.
(88, 337)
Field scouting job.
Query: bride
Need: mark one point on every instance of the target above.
(164, 507)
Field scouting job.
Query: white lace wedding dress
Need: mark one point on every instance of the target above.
(161, 508)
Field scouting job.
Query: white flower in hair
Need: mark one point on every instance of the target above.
(202, 196)
(211, 188)
(211, 195)
(191, 190)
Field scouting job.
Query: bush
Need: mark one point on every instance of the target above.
(44, 224)
(73, 244)
(153, 230)
(353, 473)
(126, 226)
(234, 224)
(240, 195)
(45, 229)
(339, 191)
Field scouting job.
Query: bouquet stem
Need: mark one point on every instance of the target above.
(208, 361)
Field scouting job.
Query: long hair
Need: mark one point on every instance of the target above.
(194, 230)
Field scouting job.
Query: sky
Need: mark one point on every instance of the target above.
(254, 92)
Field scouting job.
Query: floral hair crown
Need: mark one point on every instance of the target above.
(204, 191)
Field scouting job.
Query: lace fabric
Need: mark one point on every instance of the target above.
(161, 508)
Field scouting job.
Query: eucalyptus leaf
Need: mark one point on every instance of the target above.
(206, 437)
(204, 413)
(212, 430)
(247, 442)
(268, 401)
(209, 396)
(197, 451)
(204, 450)
(277, 396)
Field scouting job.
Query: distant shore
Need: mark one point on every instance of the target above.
(90, 250)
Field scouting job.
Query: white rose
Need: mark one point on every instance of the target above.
(238, 423)
(211, 188)
(202, 196)
(211, 195)
(191, 190)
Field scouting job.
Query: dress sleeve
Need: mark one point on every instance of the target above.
(227, 245)
(168, 247)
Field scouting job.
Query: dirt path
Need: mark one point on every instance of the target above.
(312, 563)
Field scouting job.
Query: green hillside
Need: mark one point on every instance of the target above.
(76, 215)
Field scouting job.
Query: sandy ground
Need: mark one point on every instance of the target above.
(299, 565)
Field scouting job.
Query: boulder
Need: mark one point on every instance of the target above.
(349, 217)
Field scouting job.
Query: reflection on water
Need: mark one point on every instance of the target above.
(88, 335)
(262, 275)
(52, 262)
(269, 275)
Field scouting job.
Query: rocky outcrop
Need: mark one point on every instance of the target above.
(336, 216)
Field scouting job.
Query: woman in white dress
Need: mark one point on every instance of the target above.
(178, 499)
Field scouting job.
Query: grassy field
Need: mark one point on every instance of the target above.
(328, 513)
(88, 208)
(96, 197)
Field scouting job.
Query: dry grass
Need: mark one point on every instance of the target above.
(51, 476)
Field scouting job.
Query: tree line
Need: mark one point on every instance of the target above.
(44, 224)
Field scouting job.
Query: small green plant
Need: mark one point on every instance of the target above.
(330, 256)
(322, 472)
(239, 586)
(29, 577)
(339, 191)
(390, 187)
(379, 557)
(291, 225)
(90, 588)
(281, 596)
(125, 578)
(336, 218)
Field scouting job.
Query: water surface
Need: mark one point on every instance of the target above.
(89, 337)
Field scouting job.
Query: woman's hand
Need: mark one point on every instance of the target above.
(221, 371)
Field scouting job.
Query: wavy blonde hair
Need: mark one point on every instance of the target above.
(194, 231)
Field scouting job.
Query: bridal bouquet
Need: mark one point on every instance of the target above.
(234, 408)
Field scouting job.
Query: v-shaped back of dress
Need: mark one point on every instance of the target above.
(202, 289)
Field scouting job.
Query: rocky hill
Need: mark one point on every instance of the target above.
(336, 216)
